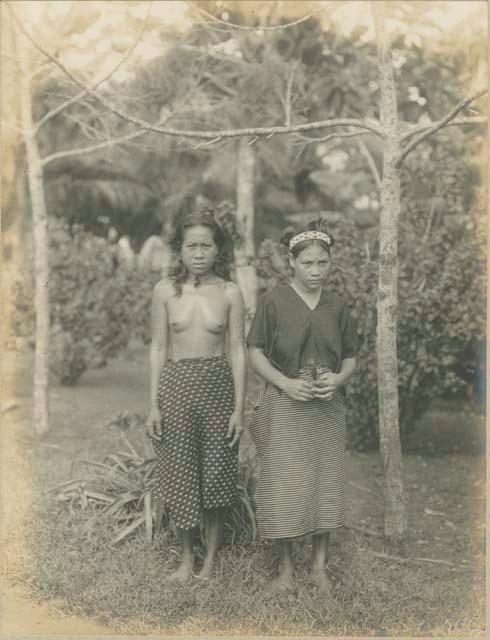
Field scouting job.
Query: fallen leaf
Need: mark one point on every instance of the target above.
(430, 512)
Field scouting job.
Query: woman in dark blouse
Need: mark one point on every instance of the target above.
(303, 343)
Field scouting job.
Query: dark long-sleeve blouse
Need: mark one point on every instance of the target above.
(292, 335)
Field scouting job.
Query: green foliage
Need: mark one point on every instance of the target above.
(124, 586)
(441, 305)
(119, 488)
(216, 80)
(95, 304)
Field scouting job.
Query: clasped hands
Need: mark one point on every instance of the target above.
(322, 388)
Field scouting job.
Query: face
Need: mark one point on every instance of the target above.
(311, 266)
(199, 250)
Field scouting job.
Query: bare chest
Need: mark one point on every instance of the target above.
(203, 309)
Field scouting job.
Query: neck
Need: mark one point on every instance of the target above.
(305, 290)
(207, 278)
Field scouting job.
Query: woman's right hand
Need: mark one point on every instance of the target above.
(154, 424)
(298, 389)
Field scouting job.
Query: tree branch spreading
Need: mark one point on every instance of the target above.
(478, 93)
(97, 83)
(370, 160)
(243, 27)
(210, 137)
(366, 124)
(419, 128)
(331, 136)
(118, 140)
(289, 92)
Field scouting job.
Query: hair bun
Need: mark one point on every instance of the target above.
(286, 236)
(321, 224)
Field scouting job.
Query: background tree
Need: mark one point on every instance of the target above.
(32, 69)
(393, 141)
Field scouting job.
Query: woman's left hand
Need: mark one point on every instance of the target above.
(326, 385)
(235, 430)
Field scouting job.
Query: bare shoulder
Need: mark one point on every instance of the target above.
(163, 290)
(233, 293)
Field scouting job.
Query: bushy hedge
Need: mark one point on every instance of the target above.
(96, 305)
(441, 305)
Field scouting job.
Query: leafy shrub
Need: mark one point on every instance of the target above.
(120, 487)
(441, 305)
(141, 284)
(95, 304)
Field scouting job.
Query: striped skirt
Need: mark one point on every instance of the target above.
(301, 447)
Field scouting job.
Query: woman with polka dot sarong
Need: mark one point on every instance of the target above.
(303, 343)
(196, 413)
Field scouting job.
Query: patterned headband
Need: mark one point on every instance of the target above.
(309, 235)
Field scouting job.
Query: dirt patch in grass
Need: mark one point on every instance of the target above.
(434, 585)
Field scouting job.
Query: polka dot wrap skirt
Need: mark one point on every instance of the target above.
(196, 469)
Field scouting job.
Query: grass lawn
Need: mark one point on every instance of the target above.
(433, 586)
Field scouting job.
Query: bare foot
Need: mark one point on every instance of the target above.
(181, 576)
(319, 578)
(283, 582)
(206, 573)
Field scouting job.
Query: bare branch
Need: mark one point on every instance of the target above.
(41, 69)
(89, 131)
(454, 123)
(463, 121)
(306, 140)
(331, 136)
(106, 144)
(221, 57)
(289, 90)
(401, 559)
(366, 124)
(119, 140)
(372, 165)
(85, 127)
(440, 124)
(243, 27)
(82, 94)
(219, 85)
(206, 144)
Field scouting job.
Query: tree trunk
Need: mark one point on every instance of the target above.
(245, 251)
(40, 238)
(387, 302)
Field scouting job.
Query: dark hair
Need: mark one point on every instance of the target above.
(315, 225)
(221, 265)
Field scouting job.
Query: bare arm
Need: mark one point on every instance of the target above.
(261, 365)
(159, 338)
(236, 326)
(295, 388)
(347, 368)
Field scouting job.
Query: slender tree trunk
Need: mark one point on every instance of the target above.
(245, 252)
(40, 238)
(387, 304)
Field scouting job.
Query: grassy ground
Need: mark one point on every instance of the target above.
(433, 586)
